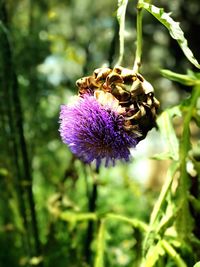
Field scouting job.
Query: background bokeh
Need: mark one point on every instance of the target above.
(45, 46)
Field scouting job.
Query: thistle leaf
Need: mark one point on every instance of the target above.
(153, 255)
(167, 131)
(173, 28)
(186, 79)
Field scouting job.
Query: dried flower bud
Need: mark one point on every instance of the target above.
(133, 92)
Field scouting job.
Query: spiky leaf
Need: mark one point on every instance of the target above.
(173, 28)
(187, 79)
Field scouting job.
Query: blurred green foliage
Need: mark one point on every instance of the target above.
(44, 47)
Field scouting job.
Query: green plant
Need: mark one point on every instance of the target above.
(169, 237)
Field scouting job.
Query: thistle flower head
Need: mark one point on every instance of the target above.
(113, 111)
(95, 132)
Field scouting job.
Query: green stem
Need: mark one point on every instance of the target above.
(92, 216)
(173, 254)
(99, 260)
(134, 222)
(137, 62)
(121, 12)
(91, 208)
(185, 140)
(76, 217)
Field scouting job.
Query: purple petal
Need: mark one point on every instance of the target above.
(93, 132)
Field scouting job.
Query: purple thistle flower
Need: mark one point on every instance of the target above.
(95, 132)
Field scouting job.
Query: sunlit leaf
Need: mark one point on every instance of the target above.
(167, 131)
(162, 197)
(155, 225)
(153, 255)
(197, 264)
(173, 28)
(166, 219)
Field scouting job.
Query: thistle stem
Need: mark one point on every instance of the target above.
(99, 260)
(185, 142)
(138, 54)
(184, 224)
(121, 12)
(159, 204)
(91, 208)
(173, 254)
